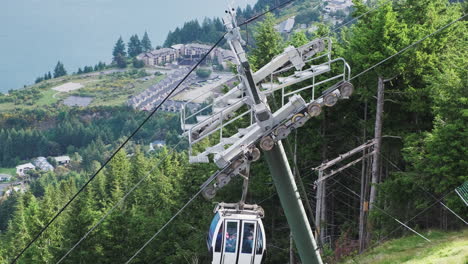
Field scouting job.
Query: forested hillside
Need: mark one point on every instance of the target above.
(423, 154)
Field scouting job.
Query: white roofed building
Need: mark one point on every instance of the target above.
(286, 26)
(23, 168)
(159, 56)
(184, 52)
(62, 160)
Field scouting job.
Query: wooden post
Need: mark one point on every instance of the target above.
(318, 205)
(363, 199)
(378, 143)
(323, 212)
(376, 157)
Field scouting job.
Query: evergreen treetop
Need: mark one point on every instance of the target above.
(146, 43)
(119, 48)
(59, 70)
(134, 46)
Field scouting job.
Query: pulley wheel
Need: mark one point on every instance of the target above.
(255, 154)
(298, 120)
(209, 192)
(267, 143)
(195, 135)
(282, 132)
(330, 99)
(236, 164)
(346, 89)
(314, 109)
(222, 179)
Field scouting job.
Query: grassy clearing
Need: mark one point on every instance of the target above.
(106, 90)
(9, 171)
(111, 92)
(445, 247)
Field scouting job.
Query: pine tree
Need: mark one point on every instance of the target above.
(121, 61)
(268, 40)
(119, 49)
(39, 79)
(134, 46)
(59, 70)
(80, 218)
(146, 43)
(18, 232)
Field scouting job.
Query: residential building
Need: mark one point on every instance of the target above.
(23, 168)
(335, 5)
(185, 54)
(19, 188)
(62, 160)
(197, 50)
(286, 26)
(159, 56)
(157, 144)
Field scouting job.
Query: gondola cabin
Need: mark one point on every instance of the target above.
(237, 236)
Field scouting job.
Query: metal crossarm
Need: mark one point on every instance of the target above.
(462, 191)
(309, 66)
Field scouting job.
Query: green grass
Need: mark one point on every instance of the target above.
(445, 247)
(10, 171)
(47, 98)
(118, 96)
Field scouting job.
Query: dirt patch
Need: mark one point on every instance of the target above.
(77, 101)
(68, 87)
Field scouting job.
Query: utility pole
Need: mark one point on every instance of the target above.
(378, 143)
(364, 202)
(320, 208)
(376, 156)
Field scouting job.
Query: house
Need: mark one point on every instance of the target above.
(62, 160)
(184, 54)
(179, 48)
(197, 50)
(159, 56)
(23, 168)
(157, 144)
(286, 26)
(19, 188)
(42, 164)
(335, 5)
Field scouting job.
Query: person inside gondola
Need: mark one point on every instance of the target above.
(247, 244)
(231, 242)
(219, 239)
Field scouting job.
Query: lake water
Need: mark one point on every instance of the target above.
(35, 34)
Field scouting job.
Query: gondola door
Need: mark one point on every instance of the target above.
(231, 242)
(247, 249)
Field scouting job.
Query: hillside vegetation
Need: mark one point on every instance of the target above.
(445, 247)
